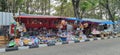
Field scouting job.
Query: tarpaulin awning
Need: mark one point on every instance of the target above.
(75, 19)
(107, 22)
(92, 20)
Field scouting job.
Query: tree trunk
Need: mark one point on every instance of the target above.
(61, 12)
(76, 8)
(49, 7)
(42, 8)
(13, 8)
(27, 6)
(45, 3)
(109, 12)
(100, 12)
(82, 13)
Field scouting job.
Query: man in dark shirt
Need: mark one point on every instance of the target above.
(87, 30)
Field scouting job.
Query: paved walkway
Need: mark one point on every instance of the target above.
(99, 47)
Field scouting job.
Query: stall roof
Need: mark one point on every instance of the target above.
(99, 21)
(107, 22)
(72, 18)
(40, 16)
(93, 20)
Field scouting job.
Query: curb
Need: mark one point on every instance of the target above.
(54, 44)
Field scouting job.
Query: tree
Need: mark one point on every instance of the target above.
(41, 7)
(72, 8)
(88, 8)
(13, 5)
(60, 8)
(3, 5)
(64, 10)
(49, 3)
(111, 7)
(84, 6)
(76, 8)
(62, 4)
(16, 5)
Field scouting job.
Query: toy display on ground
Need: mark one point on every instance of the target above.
(40, 32)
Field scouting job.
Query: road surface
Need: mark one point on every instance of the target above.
(99, 47)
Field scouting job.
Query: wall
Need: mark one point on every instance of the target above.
(6, 18)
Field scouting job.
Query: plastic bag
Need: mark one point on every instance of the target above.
(12, 43)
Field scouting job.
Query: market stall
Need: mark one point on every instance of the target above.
(39, 30)
(34, 30)
(95, 27)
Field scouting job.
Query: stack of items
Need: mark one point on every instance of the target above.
(32, 40)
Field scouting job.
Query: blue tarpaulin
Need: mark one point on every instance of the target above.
(92, 20)
(107, 22)
(72, 19)
(75, 19)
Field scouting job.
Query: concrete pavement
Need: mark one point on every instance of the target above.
(99, 47)
(53, 44)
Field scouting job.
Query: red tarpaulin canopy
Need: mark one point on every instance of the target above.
(39, 21)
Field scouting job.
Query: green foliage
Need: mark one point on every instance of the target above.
(3, 5)
(67, 9)
(87, 8)
(85, 5)
(111, 7)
